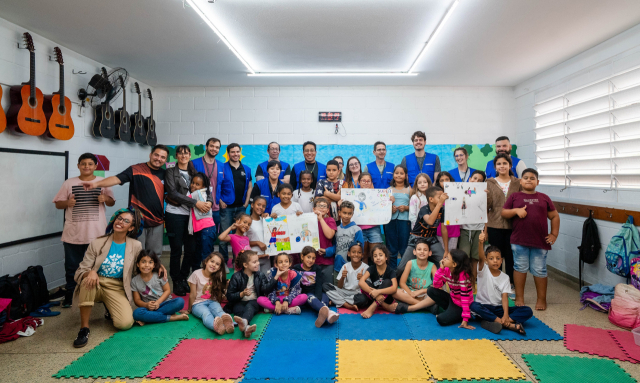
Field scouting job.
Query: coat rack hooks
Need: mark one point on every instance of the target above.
(73, 71)
(21, 47)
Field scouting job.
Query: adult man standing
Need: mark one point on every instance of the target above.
(503, 145)
(213, 170)
(421, 161)
(235, 191)
(381, 171)
(274, 155)
(318, 170)
(146, 194)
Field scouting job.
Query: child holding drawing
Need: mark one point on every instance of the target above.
(371, 233)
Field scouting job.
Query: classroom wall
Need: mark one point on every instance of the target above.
(617, 54)
(14, 69)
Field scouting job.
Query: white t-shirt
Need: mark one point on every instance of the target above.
(473, 226)
(291, 210)
(305, 199)
(351, 282)
(256, 233)
(490, 288)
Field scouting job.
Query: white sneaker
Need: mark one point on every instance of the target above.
(294, 310)
(267, 311)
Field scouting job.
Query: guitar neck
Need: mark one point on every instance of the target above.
(124, 99)
(32, 73)
(151, 115)
(139, 109)
(61, 84)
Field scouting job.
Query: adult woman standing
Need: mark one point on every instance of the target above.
(354, 168)
(498, 190)
(340, 167)
(177, 216)
(268, 186)
(462, 172)
(106, 270)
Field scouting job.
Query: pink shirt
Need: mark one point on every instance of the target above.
(239, 243)
(460, 290)
(85, 221)
(326, 243)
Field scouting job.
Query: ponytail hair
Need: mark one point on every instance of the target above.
(242, 258)
(463, 263)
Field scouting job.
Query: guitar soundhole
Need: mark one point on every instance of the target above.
(107, 115)
(33, 102)
(62, 110)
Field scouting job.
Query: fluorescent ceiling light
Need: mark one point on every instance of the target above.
(253, 73)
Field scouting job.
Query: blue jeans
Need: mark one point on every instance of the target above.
(532, 259)
(490, 313)
(372, 234)
(227, 218)
(397, 235)
(316, 303)
(205, 240)
(162, 314)
(207, 311)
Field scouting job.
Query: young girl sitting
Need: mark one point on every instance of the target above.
(152, 294)
(455, 271)
(452, 230)
(239, 241)
(304, 195)
(286, 206)
(286, 297)
(371, 233)
(207, 289)
(245, 286)
(380, 289)
(256, 232)
(418, 196)
(348, 278)
(417, 278)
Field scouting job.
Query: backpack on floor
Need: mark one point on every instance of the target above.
(27, 290)
(590, 245)
(10, 289)
(622, 248)
(625, 307)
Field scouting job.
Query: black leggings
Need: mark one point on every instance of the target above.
(246, 309)
(501, 238)
(363, 300)
(452, 312)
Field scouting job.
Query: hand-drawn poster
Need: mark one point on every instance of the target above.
(372, 206)
(467, 203)
(290, 234)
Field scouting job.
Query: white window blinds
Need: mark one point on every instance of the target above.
(590, 136)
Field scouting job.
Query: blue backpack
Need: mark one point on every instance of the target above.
(622, 248)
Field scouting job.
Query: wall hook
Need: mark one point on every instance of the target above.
(610, 214)
(51, 58)
(77, 72)
(21, 47)
(590, 213)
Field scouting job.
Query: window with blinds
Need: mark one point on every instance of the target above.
(590, 136)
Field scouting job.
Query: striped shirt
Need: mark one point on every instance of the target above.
(460, 290)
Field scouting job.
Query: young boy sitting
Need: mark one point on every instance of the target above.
(430, 217)
(529, 239)
(347, 233)
(492, 298)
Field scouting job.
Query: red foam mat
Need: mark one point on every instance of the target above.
(206, 359)
(625, 340)
(594, 341)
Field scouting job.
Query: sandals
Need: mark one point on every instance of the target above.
(519, 328)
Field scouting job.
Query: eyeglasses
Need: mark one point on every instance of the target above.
(274, 149)
(321, 206)
(184, 154)
(354, 164)
(126, 221)
(365, 181)
(309, 151)
(459, 155)
(339, 163)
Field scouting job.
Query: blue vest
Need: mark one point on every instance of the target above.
(491, 170)
(198, 163)
(428, 166)
(265, 191)
(456, 174)
(300, 166)
(381, 181)
(283, 166)
(227, 190)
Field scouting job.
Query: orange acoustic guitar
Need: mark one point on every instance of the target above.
(57, 108)
(25, 114)
(3, 117)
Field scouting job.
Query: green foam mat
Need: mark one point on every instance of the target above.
(487, 381)
(174, 330)
(260, 320)
(563, 369)
(120, 358)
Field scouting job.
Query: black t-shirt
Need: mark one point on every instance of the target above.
(422, 229)
(239, 183)
(377, 279)
(146, 192)
(311, 282)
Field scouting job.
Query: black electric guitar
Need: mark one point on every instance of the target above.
(123, 131)
(137, 121)
(150, 124)
(104, 124)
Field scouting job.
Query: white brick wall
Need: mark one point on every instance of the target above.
(289, 115)
(14, 69)
(612, 56)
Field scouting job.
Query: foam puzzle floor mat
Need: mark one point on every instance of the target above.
(358, 359)
(378, 327)
(625, 341)
(563, 369)
(299, 327)
(119, 358)
(206, 359)
(200, 332)
(293, 359)
(176, 329)
(474, 359)
(593, 341)
(343, 310)
(424, 326)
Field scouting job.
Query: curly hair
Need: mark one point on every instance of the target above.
(217, 280)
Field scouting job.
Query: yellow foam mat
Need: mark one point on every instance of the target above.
(379, 360)
(186, 381)
(467, 359)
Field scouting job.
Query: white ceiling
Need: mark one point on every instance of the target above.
(484, 43)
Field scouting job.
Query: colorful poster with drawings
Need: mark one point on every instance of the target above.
(291, 234)
(372, 206)
(467, 203)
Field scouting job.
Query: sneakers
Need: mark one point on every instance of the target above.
(268, 311)
(294, 310)
(250, 330)
(187, 288)
(323, 314)
(83, 337)
(68, 299)
(59, 294)
(218, 326)
(333, 317)
(228, 323)
(494, 327)
(107, 314)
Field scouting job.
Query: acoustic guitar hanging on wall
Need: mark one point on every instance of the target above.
(104, 124)
(123, 131)
(57, 108)
(150, 124)
(25, 114)
(137, 121)
(3, 117)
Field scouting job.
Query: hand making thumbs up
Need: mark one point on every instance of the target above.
(71, 202)
(522, 212)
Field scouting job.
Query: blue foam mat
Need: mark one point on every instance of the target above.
(280, 359)
(424, 326)
(378, 327)
(299, 327)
